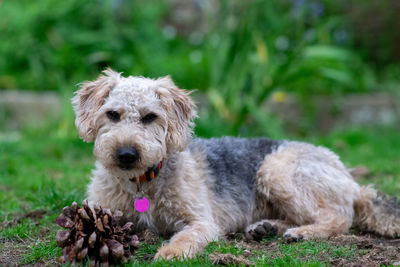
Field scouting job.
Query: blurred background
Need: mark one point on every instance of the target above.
(259, 67)
(325, 72)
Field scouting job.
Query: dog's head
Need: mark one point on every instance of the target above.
(135, 122)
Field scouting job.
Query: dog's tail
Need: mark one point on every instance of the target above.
(375, 212)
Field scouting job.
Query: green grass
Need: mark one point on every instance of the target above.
(19, 231)
(309, 253)
(41, 251)
(47, 171)
(313, 248)
(221, 246)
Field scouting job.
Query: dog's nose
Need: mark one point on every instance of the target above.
(127, 155)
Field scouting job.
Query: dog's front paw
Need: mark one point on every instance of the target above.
(260, 230)
(294, 235)
(171, 252)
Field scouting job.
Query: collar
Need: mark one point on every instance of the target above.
(149, 175)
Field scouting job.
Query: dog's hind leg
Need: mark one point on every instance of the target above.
(308, 187)
(326, 225)
(322, 229)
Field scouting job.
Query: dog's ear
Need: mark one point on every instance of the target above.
(89, 99)
(180, 110)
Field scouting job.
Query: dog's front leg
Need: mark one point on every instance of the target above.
(189, 242)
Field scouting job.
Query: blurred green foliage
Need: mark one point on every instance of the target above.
(48, 45)
(261, 47)
(246, 51)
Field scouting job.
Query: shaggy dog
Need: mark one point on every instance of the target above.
(200, 189)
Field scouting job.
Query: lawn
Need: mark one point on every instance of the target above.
(43, 171)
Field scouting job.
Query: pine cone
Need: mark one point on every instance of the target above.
(99, 236)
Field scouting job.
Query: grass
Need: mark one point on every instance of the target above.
(310, 249)
(41, 251)
(46, 171)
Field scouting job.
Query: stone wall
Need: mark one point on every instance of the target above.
(20, 109)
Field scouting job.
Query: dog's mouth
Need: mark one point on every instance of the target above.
(128, 167)
(125, 167)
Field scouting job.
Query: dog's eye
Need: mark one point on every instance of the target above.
(113, 115)
(148, 118)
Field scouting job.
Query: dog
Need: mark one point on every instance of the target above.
(201, 189)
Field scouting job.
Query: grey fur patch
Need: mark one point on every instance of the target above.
(390, 205)
(233, 164)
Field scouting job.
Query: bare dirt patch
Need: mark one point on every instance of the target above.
(11, 254)
(378, 251)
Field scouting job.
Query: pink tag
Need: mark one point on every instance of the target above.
(141, 204)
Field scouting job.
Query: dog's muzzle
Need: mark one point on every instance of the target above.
(126, 157)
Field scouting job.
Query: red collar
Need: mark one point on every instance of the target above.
(149, 175)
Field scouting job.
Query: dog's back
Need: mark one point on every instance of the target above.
(233, 162)
(232, 165)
